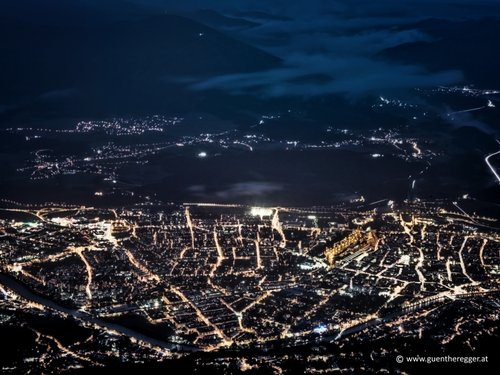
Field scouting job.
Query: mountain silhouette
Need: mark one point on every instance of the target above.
(129, 65)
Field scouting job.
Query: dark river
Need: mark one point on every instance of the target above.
(24, 292)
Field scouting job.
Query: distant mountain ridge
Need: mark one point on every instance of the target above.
(470, 46)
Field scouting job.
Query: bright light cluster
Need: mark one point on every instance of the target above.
(261, 211)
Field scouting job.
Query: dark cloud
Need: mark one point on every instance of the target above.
(345, 61)
(248, 189)
(237, 190)
(346, 75)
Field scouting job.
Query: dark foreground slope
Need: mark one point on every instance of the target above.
(133, 66)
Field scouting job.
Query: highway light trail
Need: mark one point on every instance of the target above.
(80, 251)
(141, 266)
(220, 253)
(481, 252)
(467, 110)
(27, 274)
(407, 230)
(238, 315)
(4, 292)
(418, 267)
(464, 212)
(462, 264)
(492, 168)
(448, 269)
(190, 225)
(439, 247)
(276, 225)
(418, 151)
(257, 250)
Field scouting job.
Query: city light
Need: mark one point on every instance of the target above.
(261, 211)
